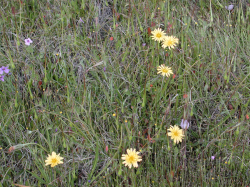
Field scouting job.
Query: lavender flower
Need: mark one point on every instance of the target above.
(28, 41)
(184, 124)
(56, 129)
(5, 69)
(81, 21)
(144, 44)
(104, 69)
(212, 157)
(229, 7)
(2, 78)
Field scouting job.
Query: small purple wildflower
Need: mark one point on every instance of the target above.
(35, 142)
(89, 181)
(28, 41)
(2, 78)
(229, 7)
(56, 129)
(212, 157)
(76, 121)
(5, 69)
(104, 69)
(81, 21)
(144, 44)
(184, 124)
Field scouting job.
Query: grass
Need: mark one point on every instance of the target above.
(81, 88)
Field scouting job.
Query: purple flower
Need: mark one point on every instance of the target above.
(229, 7)
(28, 41)
(5, 69)
(1, 71)
(89, 181)
(104, 69)
(2, 78)
(56, 129)
(184, 124)
(144, 44)
(81, 21)
(212, 157)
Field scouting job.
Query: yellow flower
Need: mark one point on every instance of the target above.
(164, 70)
(131, 158)
(53, 159)
(158, 35)
(176, 133)
(170, 42)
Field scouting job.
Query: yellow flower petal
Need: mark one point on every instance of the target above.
(176, 134)
(53, 159)
(158, 35)
(164, 70)
(131, 158)
(170, 42)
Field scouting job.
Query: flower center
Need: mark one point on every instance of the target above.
(165, 70)
(158, 35)
(176, 133)
(170, 42)
(54, 160)
(131, 159)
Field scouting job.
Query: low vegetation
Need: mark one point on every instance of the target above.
(91, 96)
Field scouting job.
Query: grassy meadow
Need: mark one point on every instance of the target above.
(83, 83)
